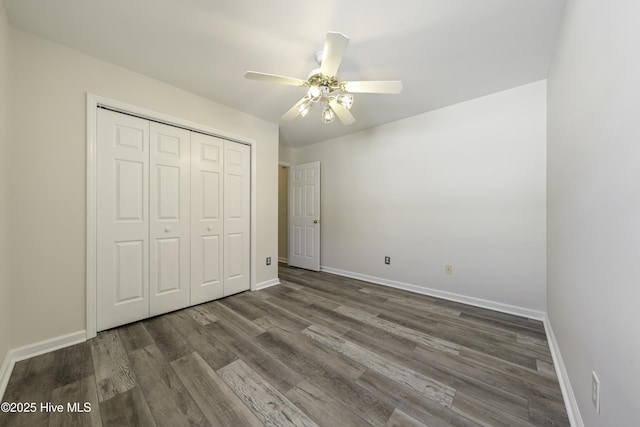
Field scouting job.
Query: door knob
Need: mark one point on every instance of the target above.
(209, 228)
(167, 229)
(315, 221)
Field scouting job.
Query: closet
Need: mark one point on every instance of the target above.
(173, 218)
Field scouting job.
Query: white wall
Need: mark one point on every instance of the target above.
(48, 198)
(594, 205)
(5, 96)
(463, 185)
(287, 154)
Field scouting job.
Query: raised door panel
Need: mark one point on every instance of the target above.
(169, 204)
(237, 211)
(129, 271)
(122, 171)
(207, 153)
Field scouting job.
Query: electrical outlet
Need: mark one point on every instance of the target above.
(448, 269)
(387, 260)
(595, 391)
(268, 260)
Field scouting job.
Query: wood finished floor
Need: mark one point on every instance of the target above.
(317, 350)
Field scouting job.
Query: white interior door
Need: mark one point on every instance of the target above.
(304, 216)
(237, 214)
(206, 218)
(122, 219)
(169, 226)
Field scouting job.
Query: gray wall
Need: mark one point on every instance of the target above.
(594, 205)
(48, 202)
(5, 60)
(463, 185)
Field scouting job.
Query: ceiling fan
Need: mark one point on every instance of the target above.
(324, 86)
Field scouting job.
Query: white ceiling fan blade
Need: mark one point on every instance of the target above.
(334, 47)
(295, 110)
(274, 78)
(390, 87)
(342, 112)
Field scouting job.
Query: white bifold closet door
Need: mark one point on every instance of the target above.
(206, 218)
(169, 207)
(237, 224)
(122, 253)
(220, 222)
(173, 221)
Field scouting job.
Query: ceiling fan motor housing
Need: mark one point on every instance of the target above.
(320, 80)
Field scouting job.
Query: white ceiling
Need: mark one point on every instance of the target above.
(444, 51)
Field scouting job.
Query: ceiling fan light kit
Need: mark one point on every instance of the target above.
(327, 114)
(345, 99)
(304, 108)
(325, 87)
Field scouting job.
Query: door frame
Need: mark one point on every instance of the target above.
(95, 101)
(286, 226)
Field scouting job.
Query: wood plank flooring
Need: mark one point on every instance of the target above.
(317, 350)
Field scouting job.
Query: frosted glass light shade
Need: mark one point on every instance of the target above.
(345, 99)
(304, 108)
(327, 114)
(314, 94)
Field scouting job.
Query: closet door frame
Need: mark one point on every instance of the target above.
(93, 103)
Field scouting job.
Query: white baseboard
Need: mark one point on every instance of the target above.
(283, 260)
(36, 349)
(267, 284)
(478, 302)
(5, 373)
(570, 402)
